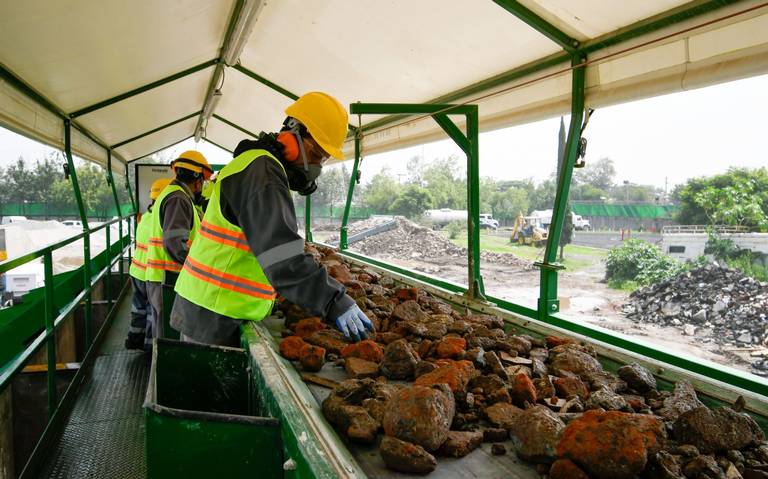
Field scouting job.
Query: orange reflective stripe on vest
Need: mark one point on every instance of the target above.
(156, 242)
(228, 281)
(138, 264)
(141, 246)
(165, 265)
(224, 236)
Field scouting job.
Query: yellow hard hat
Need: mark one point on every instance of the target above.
(157, 187)
(325, 119)
(193, 161)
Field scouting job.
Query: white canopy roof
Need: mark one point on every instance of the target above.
(139, 76)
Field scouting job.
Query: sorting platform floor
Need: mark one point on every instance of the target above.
(104, 435)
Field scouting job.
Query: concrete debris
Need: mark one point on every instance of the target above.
(469, 381)
(714, 302)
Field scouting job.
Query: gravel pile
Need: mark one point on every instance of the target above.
(413, 241)
(717, 303)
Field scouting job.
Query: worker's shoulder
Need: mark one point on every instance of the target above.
(264, 169)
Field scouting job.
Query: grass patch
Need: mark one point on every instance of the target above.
(627, 286)
(576, 257)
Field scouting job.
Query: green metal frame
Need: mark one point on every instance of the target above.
(234, 125)
(218, 145)
(469, 143)
(548, 303)
(274, 86)
(139, 158)
(143, 88)
(522, 12)
(155, 130)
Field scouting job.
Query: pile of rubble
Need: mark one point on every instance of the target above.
(438, 383)
(714, 302)
(410, 240)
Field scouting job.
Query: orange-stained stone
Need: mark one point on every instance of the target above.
(290, 347)
(307, 326)
(340, 273)
(613, 444)
(366, 349)
(311, 357)
(523, 390)
(553, 341)
(568, 387)
(456, 374)
(404, 294)
(565, 469)
(451, 347)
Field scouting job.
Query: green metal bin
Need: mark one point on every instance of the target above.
(198, 420)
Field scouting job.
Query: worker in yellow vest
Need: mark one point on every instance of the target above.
(140, 308)
(248, 248)
(173, 226)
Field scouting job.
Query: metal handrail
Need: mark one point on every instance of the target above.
(55, 317)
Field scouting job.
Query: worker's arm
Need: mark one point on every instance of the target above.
(176, 216)
(258, 201)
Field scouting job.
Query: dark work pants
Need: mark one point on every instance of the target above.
(141, 312)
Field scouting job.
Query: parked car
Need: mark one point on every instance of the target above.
(7, 220)
(487, 222)
(74, 223)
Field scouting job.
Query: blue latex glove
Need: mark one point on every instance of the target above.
(353, 323)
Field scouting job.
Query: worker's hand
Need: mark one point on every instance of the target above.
(353, 323)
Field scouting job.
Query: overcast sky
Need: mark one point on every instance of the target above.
(671, 137)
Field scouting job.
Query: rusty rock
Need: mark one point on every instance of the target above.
(399, 360)
(421, 415)
(312, 358)
(495, 434)
(307, 326)
(498, 449)
(502, 414)
(405, 294)
(523, 391)
(330, 339)
(568, 387)
(387, 337)
(358, 425)
(436, 330)
(611, 445)
(455, 374)
(566, 469)
(360, 368)
(375, 408)
(544, 387)
(366, 349)
(451, 347)
(664, 465)
(340, 273)
(637, 377)
(409, 311)
(703, 467)
(406, 457)
(535, 433)
(488, 383)
(423, 367)
(684, 399)
(460, 443)
(290, 347)
(716, 430)
(494, 364)
(606, 399)
(576, 362)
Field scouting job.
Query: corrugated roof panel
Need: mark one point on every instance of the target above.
(167, 137)
(156, 107)
(80, 52)
(388, 51)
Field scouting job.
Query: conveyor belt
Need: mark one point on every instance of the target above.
(104, 435)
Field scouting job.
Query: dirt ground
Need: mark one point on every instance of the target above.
(584, 298)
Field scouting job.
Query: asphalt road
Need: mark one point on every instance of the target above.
(601, 239)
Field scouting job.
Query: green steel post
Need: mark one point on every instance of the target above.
(343, 244)
(50, 316)
(119, 214)
(128, 188)
(548, 303)
(476, 288)
(308, 218)
(108, 286)
(87, 238)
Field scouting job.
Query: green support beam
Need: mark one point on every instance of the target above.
(548, 303)
(308, 218)
(274, 86)
(527, 15)
(469, 143)
(343, 243)
(142, 89)
(140, 157)
(216, 144)
(86, 229)
(155, 130)
(235, 126)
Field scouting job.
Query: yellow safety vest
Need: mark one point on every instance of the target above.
(158, 260)
(139, 261)
(221, 273)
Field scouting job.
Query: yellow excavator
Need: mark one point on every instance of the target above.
(528, 230)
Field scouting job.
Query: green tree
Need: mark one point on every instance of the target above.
(506, 205)
(737, 197)
(412, 202)
(446, 186)
(381, 192)
(600, 174)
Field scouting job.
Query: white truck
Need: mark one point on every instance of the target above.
(579, 222)
(443, 216)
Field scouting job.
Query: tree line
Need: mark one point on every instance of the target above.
(43, 182)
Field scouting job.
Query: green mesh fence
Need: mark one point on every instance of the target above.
(355, 212)
(626, 211)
